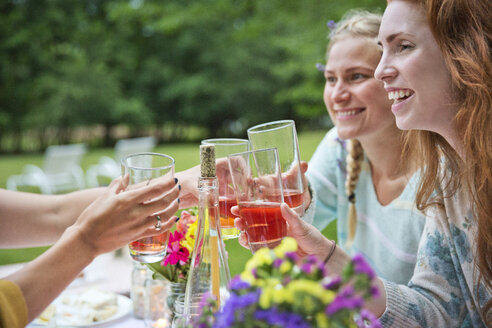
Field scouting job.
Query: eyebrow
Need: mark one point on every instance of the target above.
(391, 37)
(351, 69)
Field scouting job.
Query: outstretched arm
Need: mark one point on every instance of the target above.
(113, 220)
(29, 220)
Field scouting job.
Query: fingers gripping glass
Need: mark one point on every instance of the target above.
(283, 136)
(144, 168)
(227, 197)
(258, 186)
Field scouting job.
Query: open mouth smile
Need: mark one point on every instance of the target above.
(400, 95)
(347, 113)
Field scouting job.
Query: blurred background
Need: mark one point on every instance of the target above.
(94, 72)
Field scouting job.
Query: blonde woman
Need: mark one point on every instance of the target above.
(355, 175)
(356, 172)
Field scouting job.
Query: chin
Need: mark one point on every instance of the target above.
(402, 125)
(346, 135)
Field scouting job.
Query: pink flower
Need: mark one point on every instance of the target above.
(185, 220)
(176, 253)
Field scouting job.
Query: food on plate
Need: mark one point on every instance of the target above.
(48, 313)
(83, 308)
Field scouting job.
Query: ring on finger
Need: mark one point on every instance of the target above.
(158, 225)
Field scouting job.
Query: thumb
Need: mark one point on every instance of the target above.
(304, 166)
(292, 218)
(116, 186)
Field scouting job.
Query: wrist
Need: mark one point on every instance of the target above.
(81, 242)
(331, 251)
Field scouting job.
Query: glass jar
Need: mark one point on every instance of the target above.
(181, 320)
(159, 302)
(137, 291)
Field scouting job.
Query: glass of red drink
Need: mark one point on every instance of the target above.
(283, 136)
(227, 197)
(258, 186)
(144, 169)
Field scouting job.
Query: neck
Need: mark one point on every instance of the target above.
(384, 154)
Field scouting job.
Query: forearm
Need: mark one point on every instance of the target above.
(29, 220)
(51, 272)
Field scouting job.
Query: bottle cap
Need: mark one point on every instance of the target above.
(207, 161)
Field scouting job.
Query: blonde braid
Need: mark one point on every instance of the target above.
(354, 159)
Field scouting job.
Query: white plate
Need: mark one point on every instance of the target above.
(125, 306)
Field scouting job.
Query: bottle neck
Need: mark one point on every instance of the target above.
(207, 183)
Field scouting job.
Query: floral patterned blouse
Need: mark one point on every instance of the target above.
(444, 290)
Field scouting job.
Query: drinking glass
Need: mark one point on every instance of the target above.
(143, 169)
(283, 136)
(227, 198)
(257, 182)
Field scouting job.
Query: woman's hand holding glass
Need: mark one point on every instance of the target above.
(116, 218)
(309, 239)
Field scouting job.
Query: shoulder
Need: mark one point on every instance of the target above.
(329, 154)
(13, 308)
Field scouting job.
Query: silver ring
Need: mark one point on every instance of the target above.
(158, 224)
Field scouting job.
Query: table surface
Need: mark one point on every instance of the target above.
(107, 272)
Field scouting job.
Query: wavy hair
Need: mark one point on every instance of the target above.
(360, 24)
(463, 31)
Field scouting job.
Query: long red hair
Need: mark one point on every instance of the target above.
(463, 31)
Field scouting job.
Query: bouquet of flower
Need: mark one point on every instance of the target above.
(277, 289)
(176, 264)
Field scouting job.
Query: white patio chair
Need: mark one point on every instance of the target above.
(107, 169)
(61, 172)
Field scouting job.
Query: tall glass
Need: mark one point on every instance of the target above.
(144, 169)
(257, 183)
(227, 198)
(283, 136)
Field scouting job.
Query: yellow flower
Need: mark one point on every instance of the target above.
(322, 320)
(311, 288)
(248, 277)
(189, 240)
(285, 267)
(283, 295)
(287, 245)
(266, 297)
(261, 257)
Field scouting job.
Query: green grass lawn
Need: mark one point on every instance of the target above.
(186, 156)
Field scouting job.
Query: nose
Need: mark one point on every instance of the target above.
(340, 92)
(384, 72)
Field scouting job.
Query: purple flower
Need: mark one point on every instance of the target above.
(277, 263)
(344, 300)
(274, 317)
(333, 283)
(374, 292)
(238, 284)
(367, 320)
(320, 67)
(362, 267)
(292, 256)
(306, 268)
(331, 24)
(227, 316)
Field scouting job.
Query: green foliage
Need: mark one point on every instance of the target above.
(222, 65)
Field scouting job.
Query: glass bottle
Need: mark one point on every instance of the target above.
(209, 271)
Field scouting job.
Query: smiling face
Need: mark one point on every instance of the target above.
(413, 71)
(357, 103)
